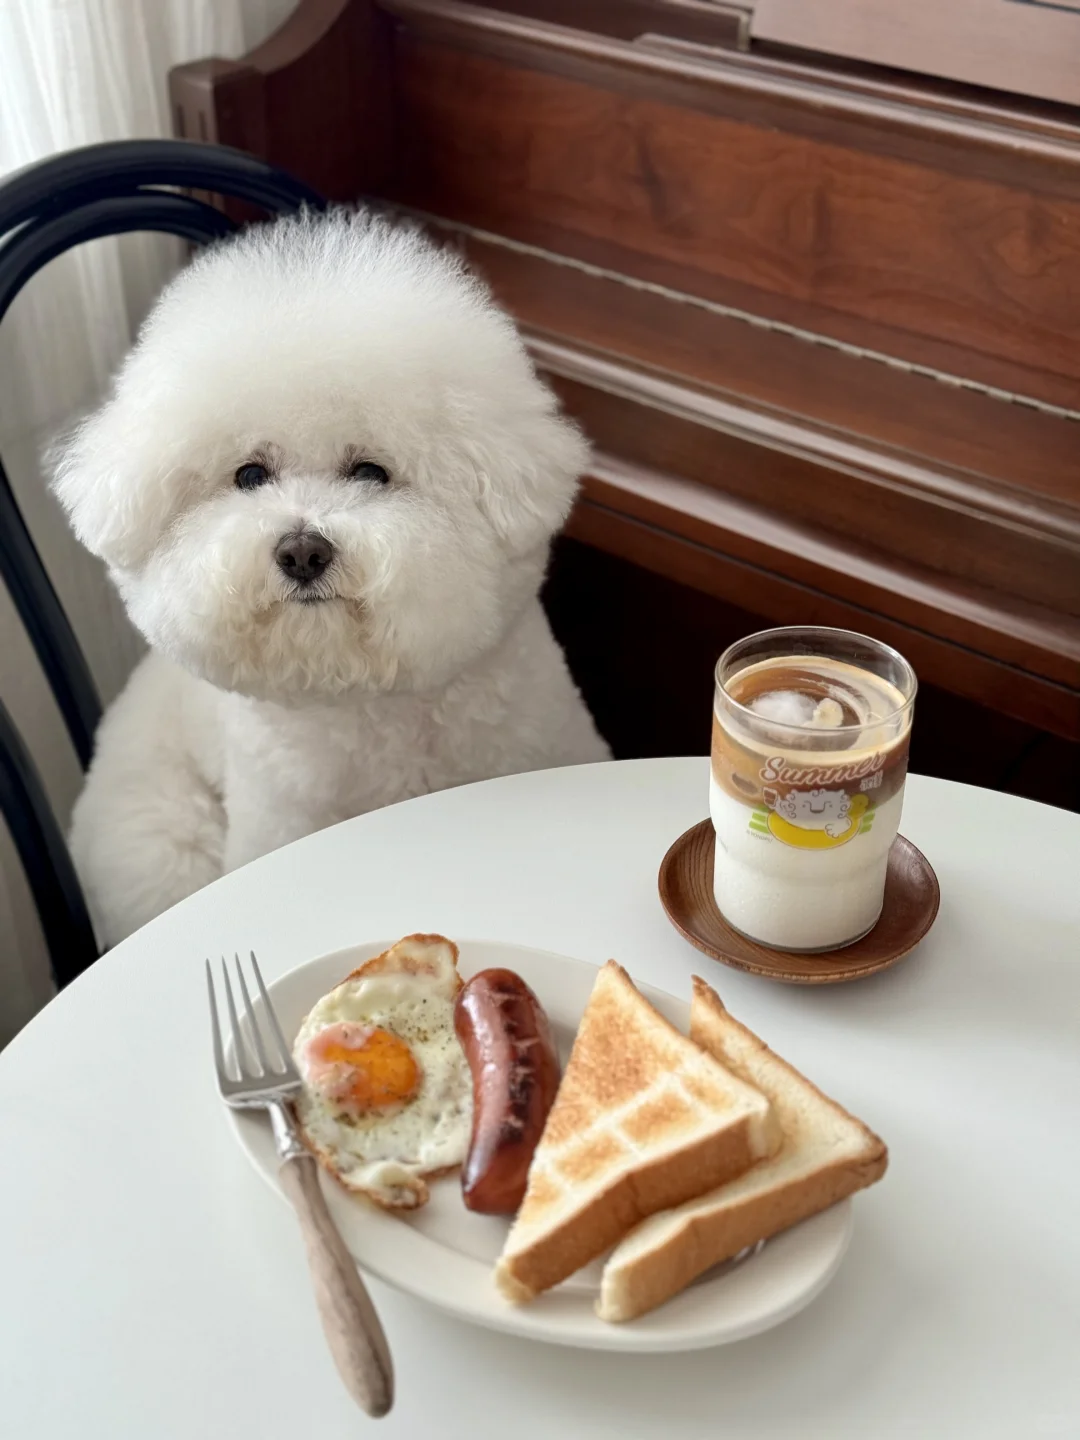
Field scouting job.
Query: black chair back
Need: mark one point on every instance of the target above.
(44, 210)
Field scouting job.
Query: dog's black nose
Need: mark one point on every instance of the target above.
(303, 556)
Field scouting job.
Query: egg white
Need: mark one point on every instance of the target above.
(386, 1153)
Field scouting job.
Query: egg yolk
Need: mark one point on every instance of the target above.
(362, 1067)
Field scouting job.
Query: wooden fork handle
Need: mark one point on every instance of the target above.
(353, 1330)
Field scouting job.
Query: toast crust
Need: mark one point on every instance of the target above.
(743, 1213)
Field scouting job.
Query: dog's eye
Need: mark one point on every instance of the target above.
(368, 470)
(248, 476)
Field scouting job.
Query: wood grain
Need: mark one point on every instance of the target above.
(1050, 707)
(894, 503)
(910, 907)
(965, 130)
(1031, 49)
(697, 21)
(315, 98)
(905, 413)
(1035, 641)
(643, 646)
(353, 1330)
(838, 233)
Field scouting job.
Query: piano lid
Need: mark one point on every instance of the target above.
(1026, 47)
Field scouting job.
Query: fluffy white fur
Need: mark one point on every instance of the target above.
(420, 659)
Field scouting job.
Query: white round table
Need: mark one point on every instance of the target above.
(152, 1286)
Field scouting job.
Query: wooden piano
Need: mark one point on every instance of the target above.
(820, 318)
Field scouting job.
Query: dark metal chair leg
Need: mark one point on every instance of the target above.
(50, 874)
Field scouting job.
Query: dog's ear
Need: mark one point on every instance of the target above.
(118, 484)
(528, 476)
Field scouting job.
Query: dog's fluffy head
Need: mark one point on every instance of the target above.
(308, 347)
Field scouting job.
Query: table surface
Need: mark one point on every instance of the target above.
(152, 1285)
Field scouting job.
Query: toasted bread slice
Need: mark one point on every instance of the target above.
(644, 1119)
(826, 1155)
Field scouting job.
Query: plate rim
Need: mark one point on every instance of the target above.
(647, 1334)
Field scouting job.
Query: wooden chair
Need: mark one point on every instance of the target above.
(46, 209)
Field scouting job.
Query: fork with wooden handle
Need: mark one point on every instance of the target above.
(353, 1330)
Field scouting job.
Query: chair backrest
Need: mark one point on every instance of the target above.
(44, 210)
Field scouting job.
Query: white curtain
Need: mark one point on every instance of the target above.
(73, 72)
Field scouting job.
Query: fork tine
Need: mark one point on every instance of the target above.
(253, 1024)
(284, 1057)
(247, 1071)
(215, 1025)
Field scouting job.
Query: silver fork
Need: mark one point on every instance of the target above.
(352, 1327)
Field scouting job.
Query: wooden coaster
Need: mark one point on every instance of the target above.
(910, 908)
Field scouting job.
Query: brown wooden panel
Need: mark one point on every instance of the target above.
(1040, 703)
(764, 213)
(945, 522)
(316, 98)
(1033, 640)
(701, 21)
(1031, 453)
(643, 647)
(1031, 48)
(954, 128)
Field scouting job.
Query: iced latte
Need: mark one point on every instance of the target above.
(809, 756)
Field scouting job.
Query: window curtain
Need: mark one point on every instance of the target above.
(74, 72)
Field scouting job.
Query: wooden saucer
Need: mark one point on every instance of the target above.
(910, 908)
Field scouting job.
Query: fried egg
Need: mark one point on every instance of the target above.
(387, 1099)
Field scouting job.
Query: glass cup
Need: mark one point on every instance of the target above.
(809, 756)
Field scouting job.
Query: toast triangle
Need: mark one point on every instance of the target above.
(825, 1156)
(644, 1119)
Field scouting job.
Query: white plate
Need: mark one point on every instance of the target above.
(444, 1254)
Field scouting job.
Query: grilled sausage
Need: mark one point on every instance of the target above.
(515, 1070)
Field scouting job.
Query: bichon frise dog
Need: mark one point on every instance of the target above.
(325, 485)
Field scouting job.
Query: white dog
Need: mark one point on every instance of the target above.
(325, 485)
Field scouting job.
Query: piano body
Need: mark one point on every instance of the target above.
(820, 318)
